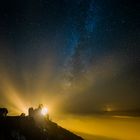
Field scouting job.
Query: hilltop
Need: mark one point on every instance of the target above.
(25, 128)
(35, 126)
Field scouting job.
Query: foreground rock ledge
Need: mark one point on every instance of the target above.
(25, 128)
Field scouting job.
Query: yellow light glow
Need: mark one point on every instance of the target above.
(44, 111)
(108, 109)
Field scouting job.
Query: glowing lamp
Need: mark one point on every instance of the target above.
(44, 111)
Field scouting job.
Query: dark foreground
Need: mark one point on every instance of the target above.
(24, 128)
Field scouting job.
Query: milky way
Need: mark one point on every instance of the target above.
(79, 55)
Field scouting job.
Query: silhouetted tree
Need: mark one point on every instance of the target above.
(3, 112)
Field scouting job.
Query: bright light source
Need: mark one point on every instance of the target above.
(108, 109)
(44, 111)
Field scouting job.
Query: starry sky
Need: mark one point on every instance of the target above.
(79, 56)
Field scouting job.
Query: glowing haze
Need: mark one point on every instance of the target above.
(73, 56)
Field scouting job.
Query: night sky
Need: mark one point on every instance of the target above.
(76, 56)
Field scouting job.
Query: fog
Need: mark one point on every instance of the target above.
(98, 127)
